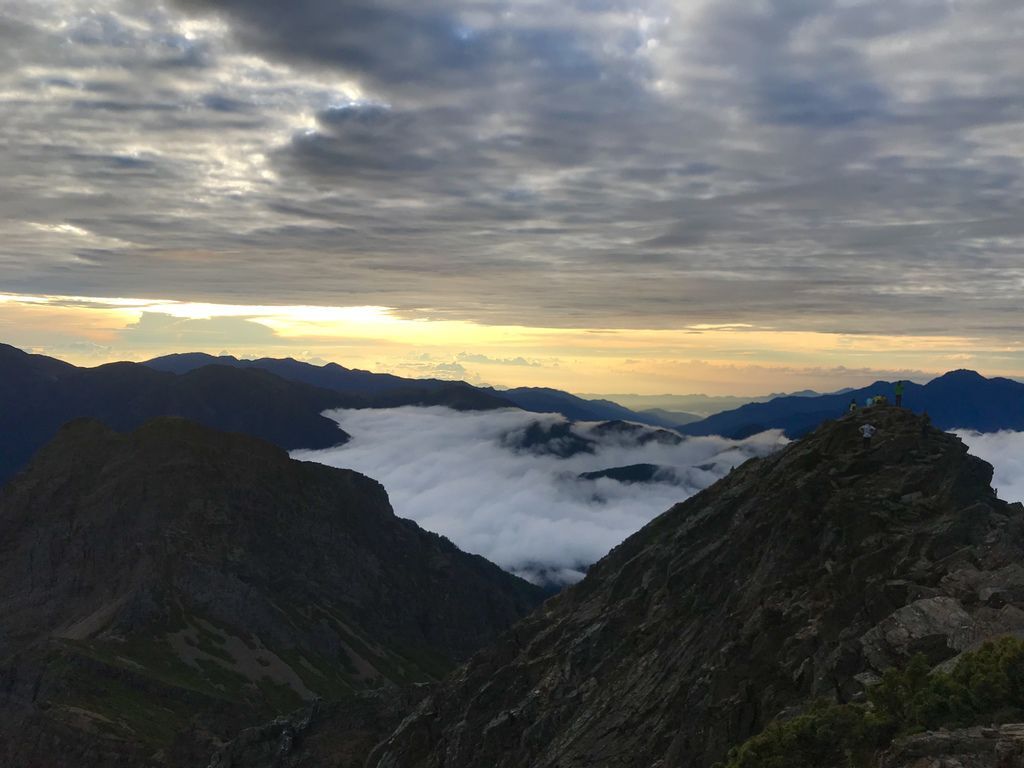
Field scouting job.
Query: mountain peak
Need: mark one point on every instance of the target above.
(797, 577)
(226, 580)
(960, 374)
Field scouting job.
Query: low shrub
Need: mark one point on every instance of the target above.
(985, 686)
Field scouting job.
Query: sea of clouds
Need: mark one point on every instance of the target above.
(455, 473)
(459, 474)
(1005, 452)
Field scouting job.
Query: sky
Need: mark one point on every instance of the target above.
(723, 196)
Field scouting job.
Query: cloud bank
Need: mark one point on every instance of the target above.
(457, 474)
(1005, 452)
(466, 475)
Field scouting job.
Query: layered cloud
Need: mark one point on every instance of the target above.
(482, 480)
(468, 476)
(1005, 452)
(824, 165)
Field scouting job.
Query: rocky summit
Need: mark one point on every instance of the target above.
(802, 576)
(165, 589)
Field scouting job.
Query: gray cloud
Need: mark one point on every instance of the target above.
(810, 165)
(453, 473)
(154, 329)
(467, 357)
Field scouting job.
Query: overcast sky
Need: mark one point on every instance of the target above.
(844, 167)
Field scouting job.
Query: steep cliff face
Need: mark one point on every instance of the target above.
(177, 580)
(799, 576)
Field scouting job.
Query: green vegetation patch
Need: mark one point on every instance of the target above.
(130, 712)
(399, 663)
(280, 698)
(150, 657)
(986, 686)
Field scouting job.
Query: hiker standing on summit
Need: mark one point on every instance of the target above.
(898, 391)
(866, 431)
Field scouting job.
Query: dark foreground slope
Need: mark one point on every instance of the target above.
(799, 576)
(176, 584)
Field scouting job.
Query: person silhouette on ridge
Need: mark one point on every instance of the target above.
(898, 391)
(866, 432)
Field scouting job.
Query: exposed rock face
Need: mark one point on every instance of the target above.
(337, 734)
(995, 747)
(799, 576)
(178, 580)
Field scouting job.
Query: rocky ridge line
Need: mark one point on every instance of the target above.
(799, 576)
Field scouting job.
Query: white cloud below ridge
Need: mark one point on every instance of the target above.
(1004, 450)
(453, 473)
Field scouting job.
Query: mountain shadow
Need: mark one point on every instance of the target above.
(163, 589)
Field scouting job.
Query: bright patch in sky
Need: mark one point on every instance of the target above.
(733, 358)
(797, 184)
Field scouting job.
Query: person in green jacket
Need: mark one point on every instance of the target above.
(898, 391)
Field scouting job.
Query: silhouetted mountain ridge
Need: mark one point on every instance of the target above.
(958, 399)
(799, 577)
(41, 394)
(384, 389)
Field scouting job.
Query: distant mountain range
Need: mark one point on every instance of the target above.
(384, 388)
(959, 399)
(693, 407)
(276, 400)
(281, 400)
(544, 400)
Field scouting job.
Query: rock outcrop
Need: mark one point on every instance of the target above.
(178, 583)
(800, 576)
(338, 734)
(980, 747)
